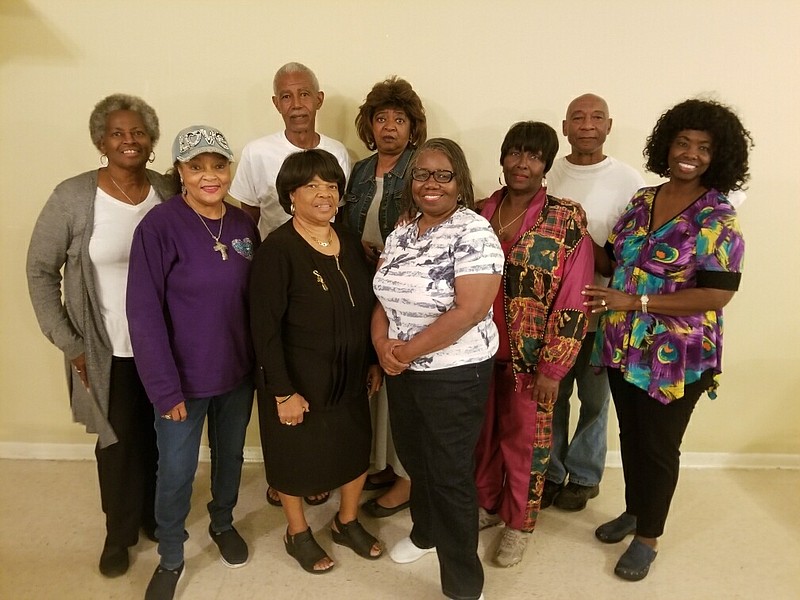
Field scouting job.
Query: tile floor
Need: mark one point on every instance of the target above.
(732, 534)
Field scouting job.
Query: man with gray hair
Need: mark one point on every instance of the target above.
(603, 186)
(297, 98)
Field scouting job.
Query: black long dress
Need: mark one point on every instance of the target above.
(310, 317)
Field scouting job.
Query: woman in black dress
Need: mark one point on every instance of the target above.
(311, 301)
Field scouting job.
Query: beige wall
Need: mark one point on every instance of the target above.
(478, 66)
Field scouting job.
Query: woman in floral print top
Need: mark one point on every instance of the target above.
(677, 255)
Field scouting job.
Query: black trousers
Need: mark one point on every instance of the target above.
(436, 418)
(650, 436)
(127, 469)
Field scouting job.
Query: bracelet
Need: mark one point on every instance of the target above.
(285, 399)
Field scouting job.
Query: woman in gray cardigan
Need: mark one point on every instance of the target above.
(86, 228)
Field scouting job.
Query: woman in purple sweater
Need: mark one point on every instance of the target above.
(188, 313)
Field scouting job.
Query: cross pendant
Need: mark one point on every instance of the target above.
(222, 249)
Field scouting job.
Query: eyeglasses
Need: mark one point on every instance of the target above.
(439, 176)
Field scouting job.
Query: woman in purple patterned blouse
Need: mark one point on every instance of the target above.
(676, 255)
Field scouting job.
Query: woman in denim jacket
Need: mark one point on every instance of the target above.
(392, 121)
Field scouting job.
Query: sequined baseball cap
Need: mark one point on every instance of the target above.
(199, 139)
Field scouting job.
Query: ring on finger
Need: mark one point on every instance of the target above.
(603, 302)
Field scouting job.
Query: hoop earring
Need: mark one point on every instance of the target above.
(544, 182)
(500, 179)
(336, 211)
(291, 208)
(103, 157)
(151, 159)
(183, 188)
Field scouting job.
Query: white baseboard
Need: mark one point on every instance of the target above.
(252, 454)
(724, 460)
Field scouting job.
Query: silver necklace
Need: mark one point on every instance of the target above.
(218, 246)
(139, 195)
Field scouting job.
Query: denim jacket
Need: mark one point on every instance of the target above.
(361, 191)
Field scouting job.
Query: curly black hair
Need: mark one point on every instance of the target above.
(730, 141)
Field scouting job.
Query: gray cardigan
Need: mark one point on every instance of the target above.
(73, 322)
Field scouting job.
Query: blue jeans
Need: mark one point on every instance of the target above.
(436, 418)
(178, 448)
(584, 458)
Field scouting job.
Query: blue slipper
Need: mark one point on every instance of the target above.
(617, 529)
(635, 562)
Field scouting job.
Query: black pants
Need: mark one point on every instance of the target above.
(650, 436)
(436, 417)
(127, 469)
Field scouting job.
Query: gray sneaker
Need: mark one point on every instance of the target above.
(163, 583)
(512, 547)
(487, 519)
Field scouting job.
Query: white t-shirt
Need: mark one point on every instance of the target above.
(416, 283)
(110, 250)
(257, 171)
(603, 190)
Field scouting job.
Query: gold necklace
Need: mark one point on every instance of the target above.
(139, 195)
(218, 246)
(502, 227)
(323, 243)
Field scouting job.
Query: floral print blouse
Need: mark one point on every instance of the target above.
(700, 247)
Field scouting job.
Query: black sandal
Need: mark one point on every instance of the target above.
(306, 551)
(276, 501)
(354, 536)
(311, 501)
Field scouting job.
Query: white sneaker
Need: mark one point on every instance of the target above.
(405, 551)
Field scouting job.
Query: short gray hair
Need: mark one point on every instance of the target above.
(294, 67)
(97, 120)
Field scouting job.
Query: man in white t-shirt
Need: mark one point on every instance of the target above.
(298, 98)
(603, 186)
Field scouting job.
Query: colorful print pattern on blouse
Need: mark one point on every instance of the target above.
(659, 353)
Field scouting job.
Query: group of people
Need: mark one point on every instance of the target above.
(398, 333)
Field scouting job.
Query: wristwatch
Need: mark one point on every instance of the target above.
(644, 300)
